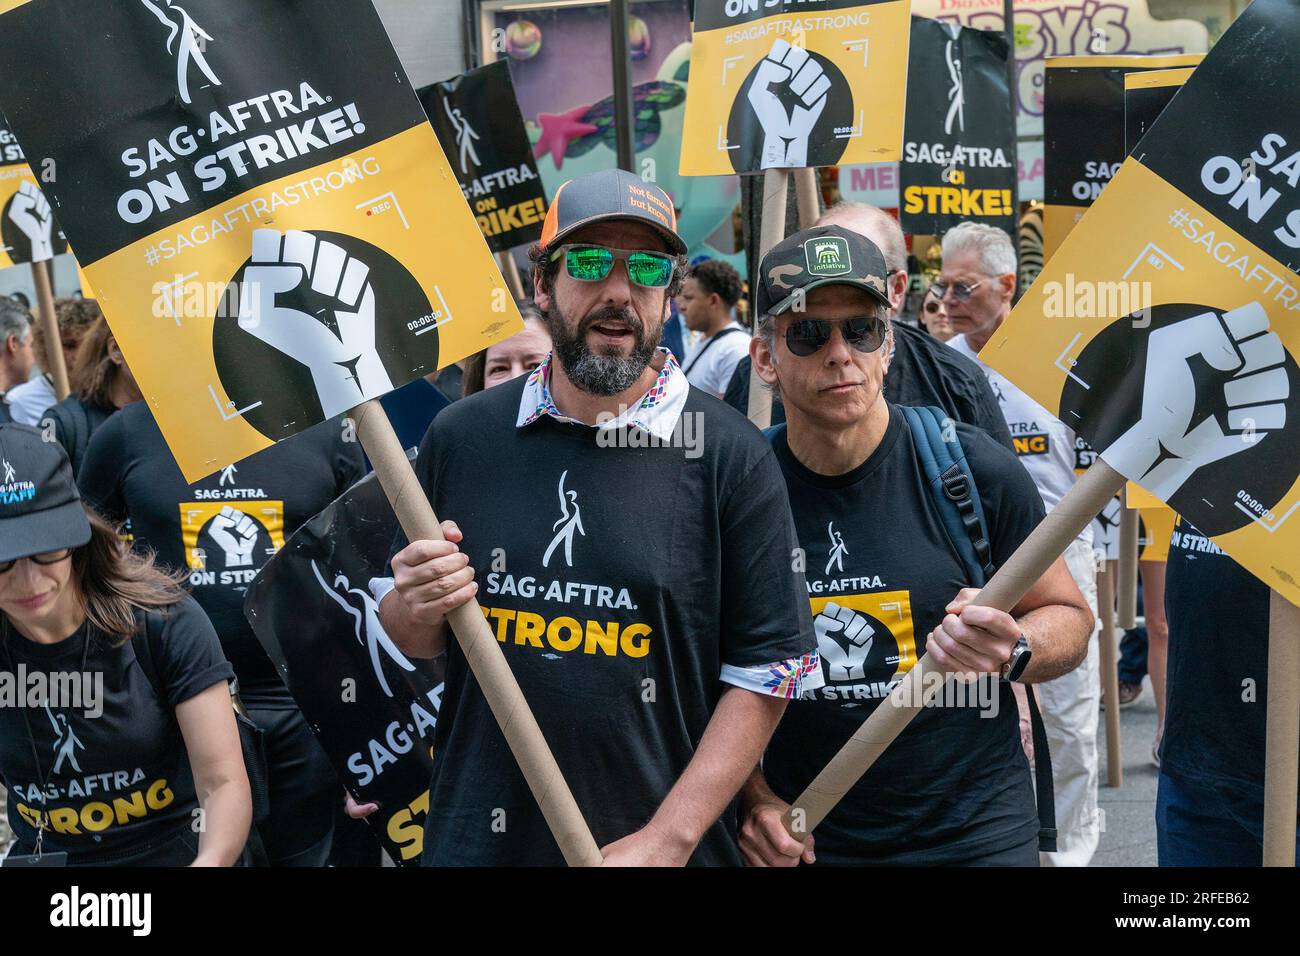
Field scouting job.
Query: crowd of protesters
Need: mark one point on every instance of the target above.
(763, 665)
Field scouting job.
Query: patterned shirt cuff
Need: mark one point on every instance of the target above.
(379, 588)
(787, 679)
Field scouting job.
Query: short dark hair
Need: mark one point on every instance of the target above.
(545, 270)
(714, 275)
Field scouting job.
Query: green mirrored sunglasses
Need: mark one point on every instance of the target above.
(654, 270)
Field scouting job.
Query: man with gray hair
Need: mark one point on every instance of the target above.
(923, 371)
(16, 356)
(976, 286)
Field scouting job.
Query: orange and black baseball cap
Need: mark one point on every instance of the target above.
(610, 194)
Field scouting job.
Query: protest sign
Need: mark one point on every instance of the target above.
(1146, 95)
(273, 234)
(477, 119)
(1083, 132)
(780, 85)
(959, 143)
(372, 708)
(28, 232)
(1196, 398)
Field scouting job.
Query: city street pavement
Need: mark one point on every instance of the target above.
(1128, 826)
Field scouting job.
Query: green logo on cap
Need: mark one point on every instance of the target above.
(827, 256)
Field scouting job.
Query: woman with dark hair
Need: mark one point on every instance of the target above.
(101, 384)
(933, 317)
(122, 747)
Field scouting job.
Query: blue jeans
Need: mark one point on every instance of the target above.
(1133, 656)
(1199, 824)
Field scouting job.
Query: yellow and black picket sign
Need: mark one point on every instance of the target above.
(273, 236)
(28, 232)
(778, 84)
(1083, 130)
(1164, 330)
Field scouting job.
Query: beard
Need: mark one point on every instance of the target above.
(594, 372)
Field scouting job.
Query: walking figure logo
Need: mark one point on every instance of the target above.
(837, 550)
(193, 40)
(66, 742)
(465, 136)
(956, 93)
(227, 476)
(365, 624)
(569, 521)
(9, 472)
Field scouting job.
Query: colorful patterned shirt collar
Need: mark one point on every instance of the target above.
(658, 411)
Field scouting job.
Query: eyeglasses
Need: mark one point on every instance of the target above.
(805, 337)
(960, 290)
(48, 557)
(653, 270)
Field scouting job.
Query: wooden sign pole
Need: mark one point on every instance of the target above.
(480, 647)
(510, 272)
(776, 187)
(1281, 731)
(1126, 588)
(1004, 590)
(807, 196)
(1109, 654)
(54, 359)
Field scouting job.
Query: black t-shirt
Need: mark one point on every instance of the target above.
(619, 580)
(224, 527)
(120, 780)
(923, 371)
(1217, 681)
(880, 571)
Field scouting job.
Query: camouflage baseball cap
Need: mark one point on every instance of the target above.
(825, 255)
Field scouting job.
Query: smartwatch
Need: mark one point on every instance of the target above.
(1018, 661)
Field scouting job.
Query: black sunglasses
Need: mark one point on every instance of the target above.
(805, 337)
(48, 557)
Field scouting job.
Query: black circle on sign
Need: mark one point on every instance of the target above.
(1114, 364)
(824, 147)
(19, 246)
(252, 371)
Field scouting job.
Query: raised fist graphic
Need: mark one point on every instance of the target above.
(1171, 440)
(235, 533)
(345, 367)
(786, 132)
(844, 640)
(30, 212)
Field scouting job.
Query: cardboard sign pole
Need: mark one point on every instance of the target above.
(1283, 727)
(1128, 565)
(58, 368)
(1110, 672)
(510, 272)
(776, 188)
(1004, 590)
(807, 196)
(481, 650)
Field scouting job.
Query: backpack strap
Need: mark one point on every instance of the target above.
(952, 484)
(707, 345)
(142, 644)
